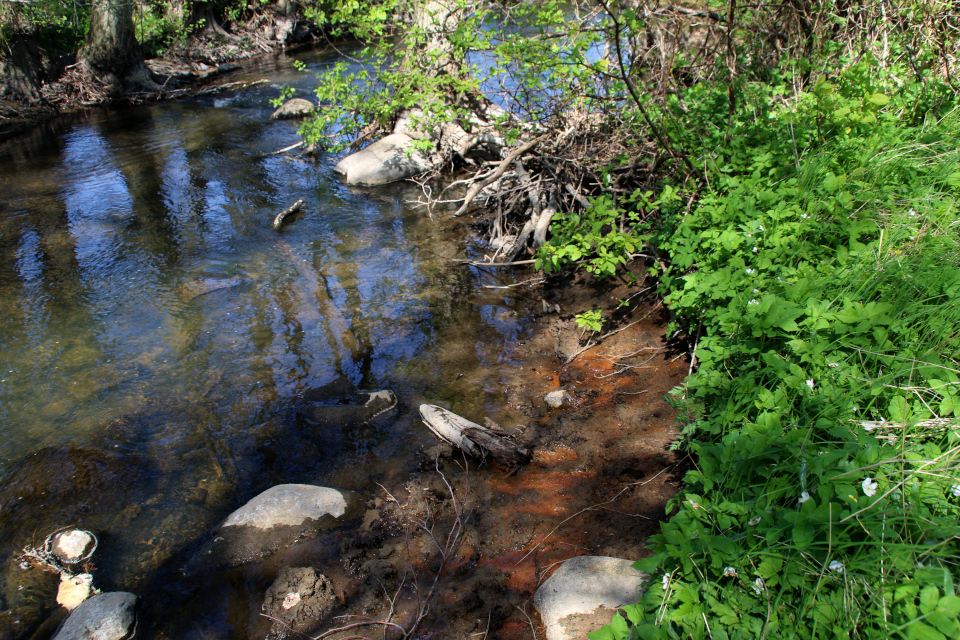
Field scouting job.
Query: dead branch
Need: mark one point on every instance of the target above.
(501, 168)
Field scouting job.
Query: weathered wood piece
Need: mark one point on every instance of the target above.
(278, 221)
(473, 439)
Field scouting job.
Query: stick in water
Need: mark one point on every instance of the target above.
(278, 221)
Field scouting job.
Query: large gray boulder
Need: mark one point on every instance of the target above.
(583, 594)
(108, 616)
(387, 160)
(276, 519)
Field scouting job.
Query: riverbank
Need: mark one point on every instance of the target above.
(55, 85)
(460, 548)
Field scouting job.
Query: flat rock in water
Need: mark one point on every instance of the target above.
(583, 594)
(299, 601)
(202, 286)
(387, 160)
(340, 403)
(295, 108)
(108, 616)
(274, 520)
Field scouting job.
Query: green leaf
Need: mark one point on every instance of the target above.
(879, 99)
(929, 596)
(949, 605)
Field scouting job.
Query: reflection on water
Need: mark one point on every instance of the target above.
(155, 331)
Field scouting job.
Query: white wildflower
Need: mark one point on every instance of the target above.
(693, 504)
(912, 212)
(753, 302)
(810, 384)
(832, 365)
(729, 572)
(836, 565)
(955, 490)
(755, 249)
(804, 216)
(761, 227)
(869, 487)
(666, 581)
(749, 235)
(803, 497)
(750, 271)
(754, 522)
(758, 586)
(756, 291)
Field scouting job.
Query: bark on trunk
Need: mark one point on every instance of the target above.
(111, 44)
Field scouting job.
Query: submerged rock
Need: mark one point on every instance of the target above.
(295, 108)
(583, 594)
(387, 160)
(299, 601)
(108, 616)
(191, 291)
(341, 403)
(276, 519)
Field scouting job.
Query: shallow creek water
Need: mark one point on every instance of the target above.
(155, 332)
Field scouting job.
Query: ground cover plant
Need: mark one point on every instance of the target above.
(820, 272)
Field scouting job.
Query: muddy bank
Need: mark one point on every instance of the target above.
(476, 540)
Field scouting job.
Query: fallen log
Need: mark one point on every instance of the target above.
(278, 221)
(473, 439)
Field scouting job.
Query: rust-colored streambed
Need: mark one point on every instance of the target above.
(156, 334)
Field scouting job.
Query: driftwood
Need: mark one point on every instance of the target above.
(278, 221)
(473, 439)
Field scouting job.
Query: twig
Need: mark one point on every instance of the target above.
(285, 149)
(477, 263)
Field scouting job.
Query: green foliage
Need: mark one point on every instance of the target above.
(592, 320)
(604, 236)
(822, 263)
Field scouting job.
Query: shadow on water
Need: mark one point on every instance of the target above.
(156, 337)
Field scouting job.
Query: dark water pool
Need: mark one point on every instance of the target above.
(155, 332)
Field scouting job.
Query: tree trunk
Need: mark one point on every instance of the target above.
(111, 45)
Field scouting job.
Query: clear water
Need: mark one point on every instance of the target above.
(155, 331)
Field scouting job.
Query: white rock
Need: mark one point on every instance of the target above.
(74, 545)
(386, 160)
(295, 108)
(288, 504)
(559, 398)
(583, 594)
(74, 590)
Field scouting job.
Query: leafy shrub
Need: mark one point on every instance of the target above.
(822, 268)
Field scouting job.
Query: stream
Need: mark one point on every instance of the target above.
(156, 333)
